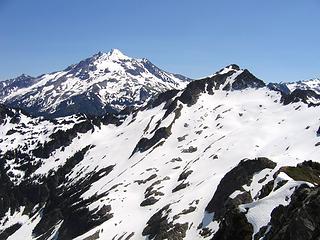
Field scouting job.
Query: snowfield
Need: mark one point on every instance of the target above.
(180, 173)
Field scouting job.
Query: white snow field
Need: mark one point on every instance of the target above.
(208, 138)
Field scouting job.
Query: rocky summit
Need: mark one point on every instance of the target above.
(224, 157)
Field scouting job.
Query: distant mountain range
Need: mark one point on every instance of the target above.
(312, 84)
(220, 158)
(105, 82)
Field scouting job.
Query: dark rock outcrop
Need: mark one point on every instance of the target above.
(234, 226)
(11, 85)
(300, 95)
(13, 114)
(279, 87)
(300, 220)
(184, 175)
(9, 231)
(162, 97)
(307, 171)
(144, 144)
(57, 201)
(149, 201)
(180, 186)
(66, 204)
(160, 228)
(244, 80)
(234, 180)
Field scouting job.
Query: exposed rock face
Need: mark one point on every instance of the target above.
(307, 171)
(311, 84)
(306, 96)
(288, 87)
(144, 144)
(4, 113)
(246, 80)
(160, 228)
(233, 222)
(280, 87)
(14, 115)
(9, 86)
(234, 225)
(229, 78)
(149, 201)
(300, 220)
(234, 180)
(59, 202)
(64, 205)
(7, 232)
(162, 97)
(161, 133)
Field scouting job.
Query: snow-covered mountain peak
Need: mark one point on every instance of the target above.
(116, 54)
(232, 77)
(23, 76)
(104, 82)
(12, 85)
(231, 67)
(103, 59)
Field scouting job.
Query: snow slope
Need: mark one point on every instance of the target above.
(160, 167)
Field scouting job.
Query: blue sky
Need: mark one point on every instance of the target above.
(276, 40)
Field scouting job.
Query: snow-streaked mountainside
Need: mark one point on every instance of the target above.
(105, 82)
(312, 84)
(224, 158)
(9, 86)
(289, 87)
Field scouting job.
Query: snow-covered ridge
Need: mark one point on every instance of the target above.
(216, 158)
(97, 181)
(289, 87)
(305, 91)
(104, 82)
(312, 84)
